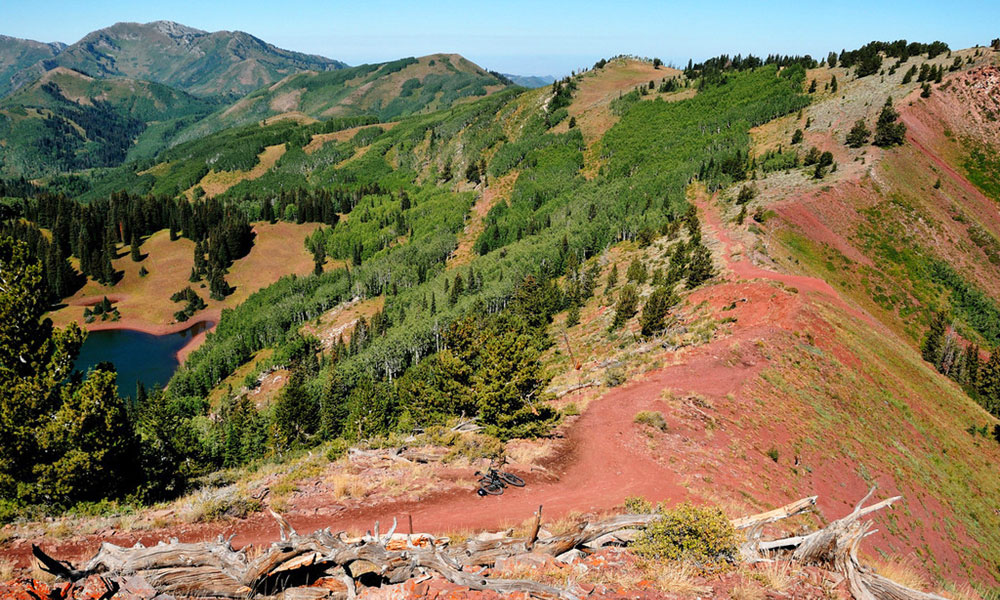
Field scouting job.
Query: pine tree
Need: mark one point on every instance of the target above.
(887, 131)
(612, 279)
(88, 443)
(972, 365)
(217, 285)
(510, 384)
(797, 136)
(655, 310)
(812, 87)
(34, 361)
(700, 268)
(573, 315)
(628, 304)
(456, 290)
(134, 249)
(636, 272)
(989, 383)
(859, 134)
(833, 84)
(319, 257)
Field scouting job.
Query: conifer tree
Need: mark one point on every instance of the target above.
(858, 135)
(655, 310)
(636, 271)
(989, 383)
(573, 315)
(456, 290)
(700, 268)
(972, 365)
(612, 279)
(887, 131)
(628, 303)
(134, 249)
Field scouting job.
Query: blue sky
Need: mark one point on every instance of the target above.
(525, 37)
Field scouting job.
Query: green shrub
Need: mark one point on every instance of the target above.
(652, 418)
(772, 453)
(614, 376)
(638, 505)
(236, 506)
(338, 448)
(686, 532)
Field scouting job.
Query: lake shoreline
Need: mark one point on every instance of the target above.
(134, 324)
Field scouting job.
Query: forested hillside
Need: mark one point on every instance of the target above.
(67, 121)
(17, 55)
(786, 264)
(386, 90)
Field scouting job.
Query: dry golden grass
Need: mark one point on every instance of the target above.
(528, 452)
(60, 530)
(37, 573)
(278, 250)
(497, 191)
(7, 570)
(962, 592)
(340, 320)
(776, 576)
(347, 486)
(668, 577)
(748, 589)
(320, 139)
(903, 571)
(217, 182)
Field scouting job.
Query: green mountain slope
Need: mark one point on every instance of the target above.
(16, 55)
(387, 90)
(199, 62)
(68, 121)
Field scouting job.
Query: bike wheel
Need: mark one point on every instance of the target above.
(512, 479)
(492, 488)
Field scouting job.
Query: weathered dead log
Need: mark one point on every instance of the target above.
(836, 546)
(289, 566)
(789, 510)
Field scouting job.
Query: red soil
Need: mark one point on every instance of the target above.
(605, 457)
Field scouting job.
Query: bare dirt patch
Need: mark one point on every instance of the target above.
(287, 101)
(497, 191)
(340, 321)
(217, 182)
(321, 139)
(592, 101)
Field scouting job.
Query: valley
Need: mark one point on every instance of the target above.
(643, 288)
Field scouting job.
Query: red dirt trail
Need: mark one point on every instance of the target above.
(603, 460)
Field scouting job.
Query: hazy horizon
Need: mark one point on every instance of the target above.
(526, 38)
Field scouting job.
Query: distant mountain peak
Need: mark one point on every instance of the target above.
(220, 63)
(174, 29)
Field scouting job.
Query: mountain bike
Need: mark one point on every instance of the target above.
(493, 481)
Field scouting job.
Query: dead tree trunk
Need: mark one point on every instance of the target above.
(216, 570)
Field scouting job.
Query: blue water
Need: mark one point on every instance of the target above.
(137, 356)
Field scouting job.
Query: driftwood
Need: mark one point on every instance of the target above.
(217, 570)
(836, 546)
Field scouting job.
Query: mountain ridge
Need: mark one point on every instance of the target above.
(196, 61)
